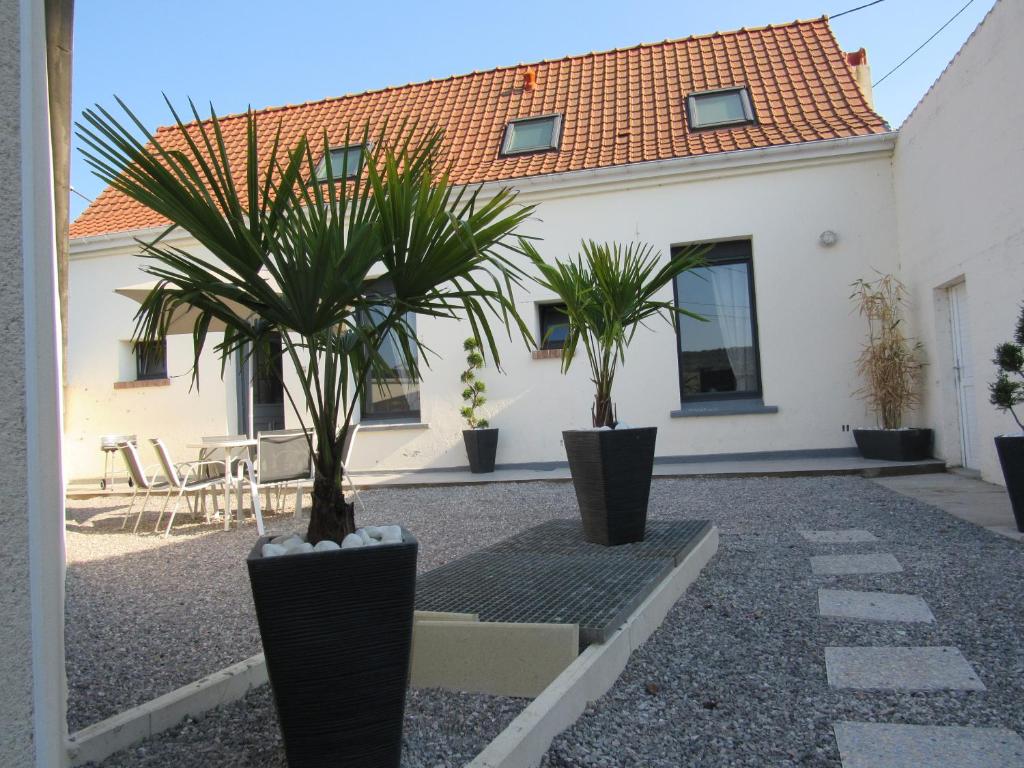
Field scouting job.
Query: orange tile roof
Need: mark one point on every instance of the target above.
(621, 106)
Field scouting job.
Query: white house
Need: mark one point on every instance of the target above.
(762, 141)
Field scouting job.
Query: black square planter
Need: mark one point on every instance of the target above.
(894, 444)
(1011, 457)
(481, 448)
(337, 635)
(611, 472)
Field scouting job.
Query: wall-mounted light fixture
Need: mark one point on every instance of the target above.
(828, 238)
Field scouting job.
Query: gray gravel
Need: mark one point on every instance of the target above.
(735, 676)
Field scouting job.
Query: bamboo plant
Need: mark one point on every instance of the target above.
(474, 393)
(281, 252)
(890, 362)
(608, 291)
(1007, 391)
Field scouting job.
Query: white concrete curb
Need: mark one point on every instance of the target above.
(100, 740)
(527, 738)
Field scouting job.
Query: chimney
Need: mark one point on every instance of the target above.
(858, 63)
(530, 79)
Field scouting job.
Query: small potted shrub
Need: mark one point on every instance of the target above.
(891, 366)
(608, 291)
(1006, 392)
(481, 438)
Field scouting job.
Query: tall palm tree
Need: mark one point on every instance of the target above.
(282, 253)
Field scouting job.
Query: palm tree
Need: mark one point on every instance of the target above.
(608, 291)
(282, 253)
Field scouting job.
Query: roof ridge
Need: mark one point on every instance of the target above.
(506, 67)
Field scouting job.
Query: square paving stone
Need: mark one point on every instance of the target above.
(872, 606)
(839, 565)
(884, 745)
(892, 668)
(840, 536)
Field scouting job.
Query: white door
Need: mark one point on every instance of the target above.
(963, 374)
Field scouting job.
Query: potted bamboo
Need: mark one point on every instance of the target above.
(608, 291)
(481, 438)
(1005, 393)
(287, 249)
(890, 365)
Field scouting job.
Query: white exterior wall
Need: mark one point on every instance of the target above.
(959, 181)
(808, 335)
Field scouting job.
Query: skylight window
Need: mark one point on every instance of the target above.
(346, 162)
(716, 109)
(532, 134)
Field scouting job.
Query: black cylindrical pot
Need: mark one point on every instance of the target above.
(611, 471)
(894, 444)
(481, 448)
(337, 634)
(1011, 456)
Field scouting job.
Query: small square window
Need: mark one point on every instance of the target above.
(151, 360)
(346, 162)
(554, 326)
(532, 134)
(714, 109)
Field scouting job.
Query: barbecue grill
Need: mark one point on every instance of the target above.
(110, 444)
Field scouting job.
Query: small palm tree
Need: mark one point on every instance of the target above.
(1007, 391)
(608, 291)
(282, 253)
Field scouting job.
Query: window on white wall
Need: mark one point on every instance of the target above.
(719, 358)
(150, 360)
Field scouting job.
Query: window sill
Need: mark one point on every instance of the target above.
(724, 408)
(547, 354)
(387, 426)
(142, 383)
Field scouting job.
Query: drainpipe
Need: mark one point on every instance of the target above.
(858, 63)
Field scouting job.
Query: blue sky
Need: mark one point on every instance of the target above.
(261, 53)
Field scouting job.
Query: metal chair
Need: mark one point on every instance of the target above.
(143, 479)
(185, 478)
(283, 459)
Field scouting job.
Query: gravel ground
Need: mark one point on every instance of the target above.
(734, 677)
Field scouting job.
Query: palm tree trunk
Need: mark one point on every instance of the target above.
(603, 411)
(331, 517)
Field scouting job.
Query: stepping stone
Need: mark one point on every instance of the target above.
(839, 565)
(891, 668)
(840, 536)
(872, 606)
(882, 745)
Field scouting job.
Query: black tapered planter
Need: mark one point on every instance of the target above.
(894, 444)
(337, 633)
(1011, 456)
(611, 471)
(481, 448)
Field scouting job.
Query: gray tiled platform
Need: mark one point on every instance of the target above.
(873, 606)
(841, 565)
(839, 536)
(549, 574)
(883, 745)
(932, 668)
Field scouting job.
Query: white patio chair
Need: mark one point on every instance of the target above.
(283, 460)
(183, 479)
(143, 479)
(218, 454)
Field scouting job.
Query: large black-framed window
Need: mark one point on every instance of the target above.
(554, 325)
(394, 395)
(151, 360)
(719, 359)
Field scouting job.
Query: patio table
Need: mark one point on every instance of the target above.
(234, 448)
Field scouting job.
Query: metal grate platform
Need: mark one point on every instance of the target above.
(548, 574)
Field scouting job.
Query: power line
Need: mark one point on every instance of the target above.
(851, 10)
(922, 45)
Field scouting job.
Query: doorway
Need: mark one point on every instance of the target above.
(963, 373)
(267, 389)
